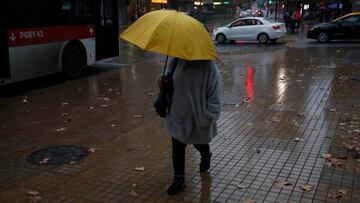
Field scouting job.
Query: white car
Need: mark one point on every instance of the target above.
(250, 29)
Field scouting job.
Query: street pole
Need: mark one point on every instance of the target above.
(276, 1)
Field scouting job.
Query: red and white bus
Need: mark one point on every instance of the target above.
(42, 37)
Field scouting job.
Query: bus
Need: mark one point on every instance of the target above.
(43, 37)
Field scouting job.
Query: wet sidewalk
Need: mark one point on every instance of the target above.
(289, 132)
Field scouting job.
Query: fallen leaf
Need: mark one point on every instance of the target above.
(275, 119)
(72, 162)
(113, 125)
(60, 129)
(241, 186)
(343, 192)
(327, 156)
(133, 193)
(79, 89)
(306, 187)
(134, 185)
(137, 116)
(65, 114)
(256, 150)
(33, 192)
(91, 107)
(332, 110)
(298, 139)
(250, 200)
(35, 199)
(44, 161)
(141, 168)
(65, 104)
(333, 162)
(300, 115)
(92, 150)
(68, 120)
(342, 124)
(25, 100)
(337, 195)
(281, 182)
(341, 157)
(151, 93)
(104, 105)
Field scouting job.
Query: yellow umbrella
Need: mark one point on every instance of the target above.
(171, 33)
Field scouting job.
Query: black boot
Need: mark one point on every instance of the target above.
(177, 185)
(205, 163)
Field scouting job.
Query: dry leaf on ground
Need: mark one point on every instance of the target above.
(241, 186)
(338, 194)
(250, 200)
(35, 198)
(298, 139)
(72, 162)
(65, 104)
(92, 150)
(281, 182)
(327, 156)
(134, 185)
(140, 168)
(133, 193)
(25, 100)
(60, 129)
(33, 192)
(44, 161)
(137, 116)
(306, 187)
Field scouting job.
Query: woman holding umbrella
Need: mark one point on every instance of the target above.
(196, 99)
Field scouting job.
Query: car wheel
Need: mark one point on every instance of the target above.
(263, 38)
(73, 61)
(221, 38)
(273, 40)
(323, 37)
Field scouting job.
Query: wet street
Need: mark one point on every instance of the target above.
(289, 130)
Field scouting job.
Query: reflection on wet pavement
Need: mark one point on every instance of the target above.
(283, 109)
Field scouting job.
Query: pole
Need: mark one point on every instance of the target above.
(276, 2)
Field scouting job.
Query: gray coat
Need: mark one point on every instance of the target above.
(196, 102)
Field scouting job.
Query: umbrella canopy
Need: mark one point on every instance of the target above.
(171, 33)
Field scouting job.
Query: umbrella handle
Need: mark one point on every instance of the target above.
(167, 56)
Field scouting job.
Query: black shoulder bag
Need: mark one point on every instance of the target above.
(163, 101)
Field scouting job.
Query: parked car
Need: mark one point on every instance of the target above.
(345, 27)
(250, 29)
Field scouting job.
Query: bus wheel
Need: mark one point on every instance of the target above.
(73, 61)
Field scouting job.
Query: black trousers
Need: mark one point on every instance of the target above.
(178, 155)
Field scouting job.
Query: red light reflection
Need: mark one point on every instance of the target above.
(249, 83)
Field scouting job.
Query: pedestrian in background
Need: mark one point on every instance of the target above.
(195, 108)
(297, 17)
